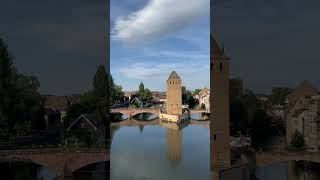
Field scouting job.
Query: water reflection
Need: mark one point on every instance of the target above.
(25, 171)
(116, 117)
(160, 151)
(145, 117)
(174, 147)
(97, 171)
(201, 116)
(291, 170)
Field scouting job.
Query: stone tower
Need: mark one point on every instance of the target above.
(174, 94)
(219, 108)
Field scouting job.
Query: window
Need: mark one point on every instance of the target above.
(220, 67)
(211, 65)
(214, 137)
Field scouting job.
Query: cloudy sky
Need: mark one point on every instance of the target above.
(61, 42)
(271, 42)
(151, 38)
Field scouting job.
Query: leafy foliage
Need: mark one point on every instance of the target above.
(144, 94)
(297, 140)
(187, 98)
(20, 101)
(247, 117)
(278, 95)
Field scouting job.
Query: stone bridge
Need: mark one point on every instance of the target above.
(63, 161)
(130, 112)
(267, 158)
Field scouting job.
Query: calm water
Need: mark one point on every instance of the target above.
(289, 171)
(200, 116)
(156, 152)
(31, 171)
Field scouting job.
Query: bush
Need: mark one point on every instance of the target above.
(297, 139)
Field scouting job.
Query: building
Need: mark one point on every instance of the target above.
(173, 107)
(302, 113)
(219, 108)
(174, 94)
(60, 103)
(85, 124)
(204, 98)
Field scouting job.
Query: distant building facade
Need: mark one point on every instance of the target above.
(60, 103)
(204, 98)
(303, 111)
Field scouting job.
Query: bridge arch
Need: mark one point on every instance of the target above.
(76, 168)
(130, 112)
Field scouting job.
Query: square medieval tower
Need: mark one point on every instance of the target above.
(174, 94)
(219, 108)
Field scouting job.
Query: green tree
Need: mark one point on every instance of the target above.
(279, 94)
(144, 93)
(20, 101)
(187, 97)
(100, 82)
(297, 139)
(141, 87)
(203, 106)
(196, 91)
(116, 93)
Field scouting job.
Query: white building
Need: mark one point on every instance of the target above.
(204, 98)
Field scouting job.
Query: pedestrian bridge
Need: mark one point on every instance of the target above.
(130, 112)
(63, 161)
(267, 158)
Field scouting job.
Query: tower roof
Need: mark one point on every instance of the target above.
(216, 51)
(174, 76)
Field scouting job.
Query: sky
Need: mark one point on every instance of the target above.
(271, 42)
(61, 42)
(151, 38)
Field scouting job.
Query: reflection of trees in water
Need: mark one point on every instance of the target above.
(19, 171)
(141, 128)
(97, 171)
(174, 146)
(303, 170)
(145, 116)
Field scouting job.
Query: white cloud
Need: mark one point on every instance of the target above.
(194, 74)
(157, 19)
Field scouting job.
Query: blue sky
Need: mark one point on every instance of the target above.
(151, 38)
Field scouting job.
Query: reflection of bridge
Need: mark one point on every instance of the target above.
(63, 161)
(267, 158)
(199, 111)
(134, 111)
(133, 122)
